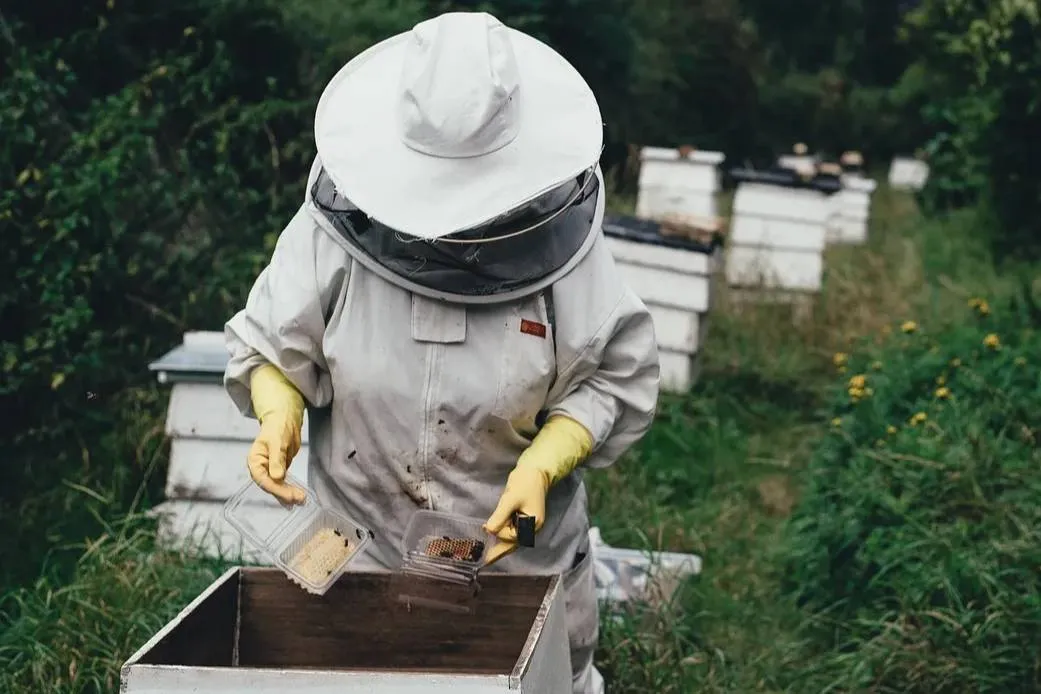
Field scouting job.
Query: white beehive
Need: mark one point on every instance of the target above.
(798, 162)
(209, 441)
(851, 210)
(252, 631)
(777, 237)
(906, 173)
(673, 277)
(671, 183)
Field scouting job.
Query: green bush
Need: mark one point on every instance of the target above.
(984, 59)
(140, 197)
(918, 542)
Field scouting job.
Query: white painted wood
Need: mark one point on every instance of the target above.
(543, 667)
(906, 173)
(204, 410)
(676, 286)
(205, 339)
(671, 183)
(214, 468)
(774, 269)
(655, 203)
(781, 203)
(676, 330)
(684, 292)
(198, 528)
(777, 234)
(679, 371)
(851, 211)
(171, 679)
(667, 154)
(797, 162)
(777, 238)
(661, 257)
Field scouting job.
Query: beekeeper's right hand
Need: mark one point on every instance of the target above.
(280, 408)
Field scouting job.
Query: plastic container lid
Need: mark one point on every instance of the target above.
(302, 540)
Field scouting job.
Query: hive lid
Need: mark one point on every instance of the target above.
(648, 231)
(196, 360)
(787, 178)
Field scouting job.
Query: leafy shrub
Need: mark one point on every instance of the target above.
(919, 539)
(140, 198)
(985, 61)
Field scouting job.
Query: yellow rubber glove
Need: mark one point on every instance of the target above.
(559, 447)
(280, 408)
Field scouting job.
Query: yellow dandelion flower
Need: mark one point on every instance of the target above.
(941, 380)
(943, 393)
(891, 429)
(909, 326)
(992, 341)
(840, 358)
(858, 381)
(973, 303)
(918, 418)
(837, 422)
(955, 363)
(983, 308)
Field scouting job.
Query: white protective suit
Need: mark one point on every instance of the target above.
(416, 403)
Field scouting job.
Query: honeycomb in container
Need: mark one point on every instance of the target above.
(459, 549)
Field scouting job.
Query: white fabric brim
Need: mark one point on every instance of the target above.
(358, 137)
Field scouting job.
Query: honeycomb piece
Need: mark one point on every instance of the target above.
(321, 555)
(458, 549)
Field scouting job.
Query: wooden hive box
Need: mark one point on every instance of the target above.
(851, 210)
(906, 173)
(253, 631)
(678, 181)
(777, 238)
(673, 277)
(209, 440)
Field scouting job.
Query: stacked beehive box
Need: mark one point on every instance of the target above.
(673, 276)
(776, 241)
(906, 173)
(209, 441)
(678, 181)
(851, 210)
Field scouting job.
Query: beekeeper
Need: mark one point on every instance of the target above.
(444, 306)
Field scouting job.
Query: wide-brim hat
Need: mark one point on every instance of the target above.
(446, 127)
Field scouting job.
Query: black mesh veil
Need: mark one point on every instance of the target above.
(513, 251)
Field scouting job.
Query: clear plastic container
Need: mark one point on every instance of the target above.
(302, 540)
(441, 557)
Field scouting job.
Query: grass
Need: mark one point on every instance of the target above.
(718, 475)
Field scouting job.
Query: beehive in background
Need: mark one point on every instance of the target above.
(673, 277)
(676, 181)
(777, 237)
(907, 173)
(209, 441)
(851, 210)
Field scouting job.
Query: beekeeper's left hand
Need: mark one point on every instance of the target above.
(559, 447)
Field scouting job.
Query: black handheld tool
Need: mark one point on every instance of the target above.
(525, 526)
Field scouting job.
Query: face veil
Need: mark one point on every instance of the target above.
(521, 248)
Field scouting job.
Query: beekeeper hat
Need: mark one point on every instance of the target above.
(454, 123)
